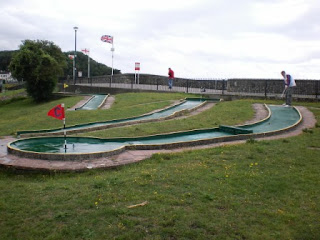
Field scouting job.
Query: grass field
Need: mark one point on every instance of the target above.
(256, 190)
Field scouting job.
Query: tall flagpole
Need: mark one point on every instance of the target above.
(74, 57)
(87, 52)
(109, 39)
(89, 65)
(112, 50)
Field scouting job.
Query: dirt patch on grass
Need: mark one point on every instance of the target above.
(108, 103)
(18, 95)
(260, 113)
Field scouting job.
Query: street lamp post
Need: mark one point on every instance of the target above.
(75, 56)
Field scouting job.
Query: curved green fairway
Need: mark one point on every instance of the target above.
(24, 114)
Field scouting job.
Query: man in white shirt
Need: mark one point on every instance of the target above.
(289, 84)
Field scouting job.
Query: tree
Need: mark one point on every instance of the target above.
(39, 64)
(96, 69)
(5, 59)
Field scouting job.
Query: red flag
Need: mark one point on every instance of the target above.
(107, 38)
(57, 112)
(71, 56)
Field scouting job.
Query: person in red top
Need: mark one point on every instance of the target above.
(170, 78)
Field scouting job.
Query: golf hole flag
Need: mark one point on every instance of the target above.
(107, 38)
(57, 112)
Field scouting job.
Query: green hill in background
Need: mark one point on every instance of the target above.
(96, 69)
(5, 59)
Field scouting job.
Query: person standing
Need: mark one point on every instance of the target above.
(170, 78)
(289, 84)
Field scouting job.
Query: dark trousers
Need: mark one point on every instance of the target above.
(289, 92)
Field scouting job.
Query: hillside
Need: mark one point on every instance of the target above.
(96, 69)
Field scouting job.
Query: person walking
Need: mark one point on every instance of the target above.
(170, 78)
(289, 84)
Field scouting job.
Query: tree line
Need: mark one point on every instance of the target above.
(96, 68)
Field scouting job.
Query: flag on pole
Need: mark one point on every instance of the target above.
(57, 112)
(71, 57)
(85, 51)
(65, 85)
(107, 38)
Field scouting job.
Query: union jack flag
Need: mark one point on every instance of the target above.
(107, 38)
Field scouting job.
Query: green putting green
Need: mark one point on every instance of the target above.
(93, 103)
(280, 119)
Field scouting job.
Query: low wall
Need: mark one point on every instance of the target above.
(255, 87)
(149, 79)
(272, 86)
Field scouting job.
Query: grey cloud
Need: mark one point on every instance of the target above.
(306, 27)
(216, 18)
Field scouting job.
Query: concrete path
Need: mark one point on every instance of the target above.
(80, 103)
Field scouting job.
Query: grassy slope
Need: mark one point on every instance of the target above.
(24, 114)
(257, 190)
(227, 113)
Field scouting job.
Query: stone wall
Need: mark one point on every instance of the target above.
(272, 86)
(267, 87)
(149, 79)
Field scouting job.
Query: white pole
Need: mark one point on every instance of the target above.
(88, 65)
(75, 55)
(74, 69)
(65, 136)
(64, 130)
(112, 50)
(112, 58)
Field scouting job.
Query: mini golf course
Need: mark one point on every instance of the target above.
(280, 119)
(95, 102)
(187, 105)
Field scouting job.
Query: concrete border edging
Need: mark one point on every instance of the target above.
(94, 155)
(15, 163)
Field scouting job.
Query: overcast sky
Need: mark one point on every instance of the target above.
(196, 38)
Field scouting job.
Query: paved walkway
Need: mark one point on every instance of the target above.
(131, 156)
